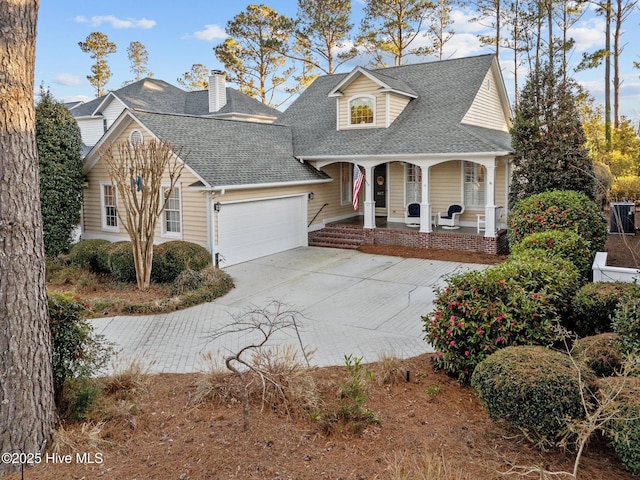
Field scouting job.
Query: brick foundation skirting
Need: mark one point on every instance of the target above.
(445, 241)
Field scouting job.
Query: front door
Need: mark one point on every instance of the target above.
(380, 188)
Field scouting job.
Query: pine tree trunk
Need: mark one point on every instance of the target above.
(27, 413)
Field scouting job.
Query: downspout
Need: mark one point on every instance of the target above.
(212, 220)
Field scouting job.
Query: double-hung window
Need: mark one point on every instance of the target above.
(172, 214)
(346, 183)
(109, 208)
(413, 186)
(474, 185)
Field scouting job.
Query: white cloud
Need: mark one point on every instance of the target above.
(67, 79)
(588, 34)
(462, 22)
(116, 22)
(210, 32)
(462, 45)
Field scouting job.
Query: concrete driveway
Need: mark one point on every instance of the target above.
(349, 303)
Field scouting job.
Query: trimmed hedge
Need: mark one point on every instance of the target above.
(600, 353)
(533, 388)
(479, 312)
(558, 210)
(170, 259)
(595, 305)
(626, 324)
(559, 243)
(121, 262)
(623, 432)
(90, 254)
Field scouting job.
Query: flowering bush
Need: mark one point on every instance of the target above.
(515, 303)
(558, 210)
(563, 243)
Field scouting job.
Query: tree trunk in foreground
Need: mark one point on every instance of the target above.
(27, 413)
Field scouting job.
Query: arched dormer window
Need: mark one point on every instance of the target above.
(135, 137)
(362, 111)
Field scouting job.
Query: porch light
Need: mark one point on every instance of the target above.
(311, 195)
(216, 206)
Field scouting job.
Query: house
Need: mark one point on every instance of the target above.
(431, 134)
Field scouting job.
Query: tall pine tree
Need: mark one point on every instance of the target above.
(548, 139)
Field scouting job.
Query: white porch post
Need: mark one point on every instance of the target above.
(425, 204)
(369, 202)
(490, 207)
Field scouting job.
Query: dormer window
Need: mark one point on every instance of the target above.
(362, 110)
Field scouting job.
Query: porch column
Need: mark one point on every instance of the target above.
(425, 204)
(369, 201)
(490, 207)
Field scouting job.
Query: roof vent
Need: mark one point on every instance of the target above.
(217, 91)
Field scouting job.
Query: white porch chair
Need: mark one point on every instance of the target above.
(451, 219)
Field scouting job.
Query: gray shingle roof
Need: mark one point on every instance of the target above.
(429, 124)
(155, 95)
(231, 153)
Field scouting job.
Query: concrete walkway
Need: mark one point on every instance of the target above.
(350, 303)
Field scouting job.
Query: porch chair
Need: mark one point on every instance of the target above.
(412, 218)
(482, 220)
(452, 218)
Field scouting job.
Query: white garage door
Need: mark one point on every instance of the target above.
(248, 230)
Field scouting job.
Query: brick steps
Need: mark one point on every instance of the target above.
(337, 237)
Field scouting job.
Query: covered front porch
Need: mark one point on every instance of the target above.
(351, 233)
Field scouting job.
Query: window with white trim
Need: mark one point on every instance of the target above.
(109, 208)
(172, 213)
(135, 137)
(474, 184)
(362, 111)
(413, 186)
(346, 183)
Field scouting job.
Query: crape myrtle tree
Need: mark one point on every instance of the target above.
(27, 412)
(548, 139)
(145, 174)
(61, 178)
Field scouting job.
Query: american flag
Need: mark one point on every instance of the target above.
(358, 178)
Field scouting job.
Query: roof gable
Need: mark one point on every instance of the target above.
(385, 83)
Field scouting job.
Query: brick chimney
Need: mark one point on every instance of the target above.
(217, 91)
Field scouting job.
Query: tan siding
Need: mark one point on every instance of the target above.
(194, 213)
(396, 190)
(396, 106)
(446, 188)
(362, 86)
(486, 109)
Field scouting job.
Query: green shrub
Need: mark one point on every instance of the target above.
(533, 388)
(559, 243)
(626, 324)
(623, 431)
(121, 263)
(558, 210)
(595, 304)
(77, 352)
(187, 281)
(172, 258)
(479, 312)
(90, 254)
(600, 353)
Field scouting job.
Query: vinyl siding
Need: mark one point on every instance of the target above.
(362, 86)
(113, 110)
(486, 109)
(395, 193)
(193, 205)
(91, 130)
(396, 106)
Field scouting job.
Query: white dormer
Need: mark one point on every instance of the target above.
(369, 99)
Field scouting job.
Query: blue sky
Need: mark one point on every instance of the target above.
(179, 34)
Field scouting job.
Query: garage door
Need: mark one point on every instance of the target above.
(248, 230)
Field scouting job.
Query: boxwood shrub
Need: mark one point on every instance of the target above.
(558, 210)
(623, 431)
(559, 243)
(626, 324)
(172, 258)
(90, 254)
(595, 304)
(601, 353)
(121, 264)
(479, 312)
(535, 389)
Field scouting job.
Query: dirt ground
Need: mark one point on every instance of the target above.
(430, 428)
(430, 422)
